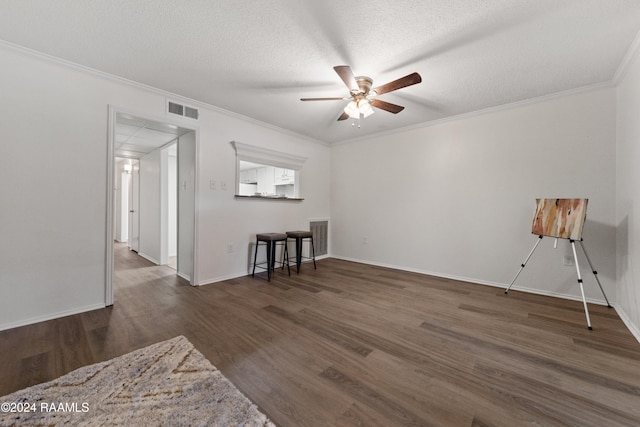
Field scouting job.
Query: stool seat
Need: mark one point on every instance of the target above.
(299, 234)
(271, 237)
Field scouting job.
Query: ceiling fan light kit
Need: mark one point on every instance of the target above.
(352, 110)
(355, 108)
(362, 97)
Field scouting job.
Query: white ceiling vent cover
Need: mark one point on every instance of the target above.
(182, 110)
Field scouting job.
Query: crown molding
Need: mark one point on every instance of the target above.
(131, 83)
(619, 74)
(629, 57)
(481, 112)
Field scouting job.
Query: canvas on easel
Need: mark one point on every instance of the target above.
(562, 219)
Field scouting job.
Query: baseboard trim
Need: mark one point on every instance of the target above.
(477, 281)
(184, 276)
(628, 323)
(218, 279)
(149, 258)
(51, 316)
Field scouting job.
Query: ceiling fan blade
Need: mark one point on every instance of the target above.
(387, 106)
(345, 73)
(323, 99)
(405, 81)
(343, 116)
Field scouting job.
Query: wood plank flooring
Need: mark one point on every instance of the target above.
(354, 345)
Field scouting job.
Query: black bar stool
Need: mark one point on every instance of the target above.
(299, 236)
(271, 240)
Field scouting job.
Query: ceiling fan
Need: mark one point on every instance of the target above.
(362, 97)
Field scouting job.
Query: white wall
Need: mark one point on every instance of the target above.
(122, 211)
(628, 196)
(158, 214)
(186, 205)
(225, 220)
(120, 201)
(172, 205)
(134, 207)
(52, 220)
(456, 199)
(53, 261)
(150, 207)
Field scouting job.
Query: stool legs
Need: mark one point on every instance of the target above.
(271, 257)
(271, 250)
(285, 256)
(299, 241)
(255, 259)
(298, 253)
(313, 253)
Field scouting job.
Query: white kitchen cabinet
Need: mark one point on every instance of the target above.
(249, 176)
(265, 180)
(283, 176)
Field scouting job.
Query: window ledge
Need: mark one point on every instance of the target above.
(295, 199)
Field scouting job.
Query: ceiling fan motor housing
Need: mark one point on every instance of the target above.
(364, 83)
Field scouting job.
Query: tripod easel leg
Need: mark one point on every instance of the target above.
(595, 273)
(584, 300)
(524, 263)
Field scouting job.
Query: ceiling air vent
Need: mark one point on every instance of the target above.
(191, 112)
(176, 108)
(182, 110)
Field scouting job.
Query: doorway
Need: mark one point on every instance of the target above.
(152, 199)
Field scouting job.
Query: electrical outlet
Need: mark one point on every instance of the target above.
(567, 260)
(230, 247)
(364, 240)
(212, 184)
(223, 185)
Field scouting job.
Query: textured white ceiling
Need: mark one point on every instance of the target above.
(257, 58)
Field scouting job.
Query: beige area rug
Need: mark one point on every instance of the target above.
(169, 383)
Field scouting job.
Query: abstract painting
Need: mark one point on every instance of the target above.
(561, 218)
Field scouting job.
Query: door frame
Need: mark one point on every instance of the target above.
(111, 132)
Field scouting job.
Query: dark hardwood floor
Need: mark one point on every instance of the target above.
(352, 345)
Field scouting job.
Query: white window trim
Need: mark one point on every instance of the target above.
(251, 153)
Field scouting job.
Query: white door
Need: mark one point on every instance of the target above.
(134, 206)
